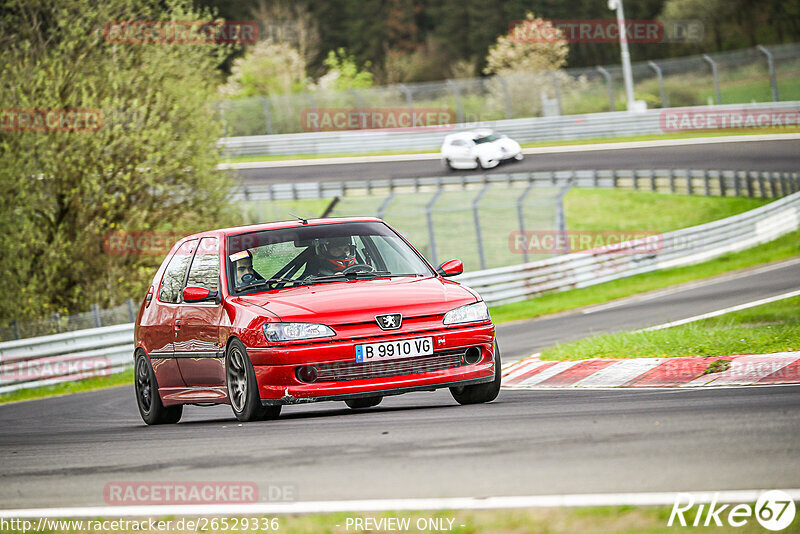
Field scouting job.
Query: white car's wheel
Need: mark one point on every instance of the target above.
(519, 157)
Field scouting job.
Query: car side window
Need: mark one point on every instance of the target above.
(205, 266)
(175, 273)
(459, 142)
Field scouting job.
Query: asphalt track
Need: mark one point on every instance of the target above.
(734, 155)
(63, 451)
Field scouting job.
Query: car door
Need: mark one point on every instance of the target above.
(161, 332)
(461, 154)
(198, 348)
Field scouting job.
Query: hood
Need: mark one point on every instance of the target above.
(361, 300)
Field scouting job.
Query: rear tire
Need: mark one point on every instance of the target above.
(479, 164)
(151, 408)
(364, 402)
(480, 393)
(448, 164)
(240, 377)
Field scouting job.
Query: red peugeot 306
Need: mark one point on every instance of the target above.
(304, 311)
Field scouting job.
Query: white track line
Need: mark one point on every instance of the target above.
(723, 311)
(688, 286)
(534, 150)
(381, 505)
(547, 373)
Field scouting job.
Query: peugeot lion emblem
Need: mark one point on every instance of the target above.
(390, 321)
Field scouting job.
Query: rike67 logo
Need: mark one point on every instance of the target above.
(774, 510)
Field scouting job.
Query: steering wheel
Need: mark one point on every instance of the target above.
(358, 267)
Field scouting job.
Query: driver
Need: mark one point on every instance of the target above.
(333, 255)
(245, 274)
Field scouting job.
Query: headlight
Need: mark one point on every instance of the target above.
(471, 313)
(294, 331)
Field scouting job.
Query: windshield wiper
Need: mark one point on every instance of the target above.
(358, 275)
(259, 283)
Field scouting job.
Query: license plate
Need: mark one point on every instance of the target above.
(392, 350)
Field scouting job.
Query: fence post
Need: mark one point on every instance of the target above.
(311, 107)
(131, 309)
(14, 328)
(773, 185)
(409, 97)
(429, 216)
(56, 318)
(714, 73)
(771, 65)
(609, 86)
(706, 183)
(385, 204)
(722, 191)
(267, 114)
(521, 217)
(762, 188)
(689, 184)
(660, 75)
(672, 180)
(736, 185)
(557, 89)
(507, 97)
(457, 93)
(653, 187)
(750, 187)
(96, 315)
(476, 217)
(561, 220)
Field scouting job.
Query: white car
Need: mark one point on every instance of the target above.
(478, 149)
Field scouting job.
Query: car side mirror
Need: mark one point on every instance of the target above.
(450, 268)
(199, 294)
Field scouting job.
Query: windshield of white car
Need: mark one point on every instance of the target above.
(321, 253)
(487, 139)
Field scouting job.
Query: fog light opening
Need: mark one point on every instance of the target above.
(307, 373)
(472, 355)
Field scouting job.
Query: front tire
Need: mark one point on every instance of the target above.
(151, 408)
(364, 402)
(480, 393)
(240, 377)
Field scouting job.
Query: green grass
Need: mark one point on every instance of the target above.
(66, 388)
(765, 329)
(615, 209)
(536, 144)
(565, 520)
(787, 246)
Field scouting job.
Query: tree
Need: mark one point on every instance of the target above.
(147, 165)
(268, 68)
(532, 45)
(343, 73)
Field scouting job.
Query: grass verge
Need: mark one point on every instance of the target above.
(787, 246)
(772, 327)
(589, 520)
(592, 141)
(65, 388)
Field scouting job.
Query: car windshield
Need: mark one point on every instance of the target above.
(487, 139)
(316, 254)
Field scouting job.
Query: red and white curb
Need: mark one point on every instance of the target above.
(744, 370)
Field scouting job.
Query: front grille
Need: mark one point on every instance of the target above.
(342, 371)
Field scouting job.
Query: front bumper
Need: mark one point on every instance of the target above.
(275, 368)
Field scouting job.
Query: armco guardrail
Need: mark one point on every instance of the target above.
(610, 124)
(45, 360)
(70, 356)
(681, 247)
(761, 184)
